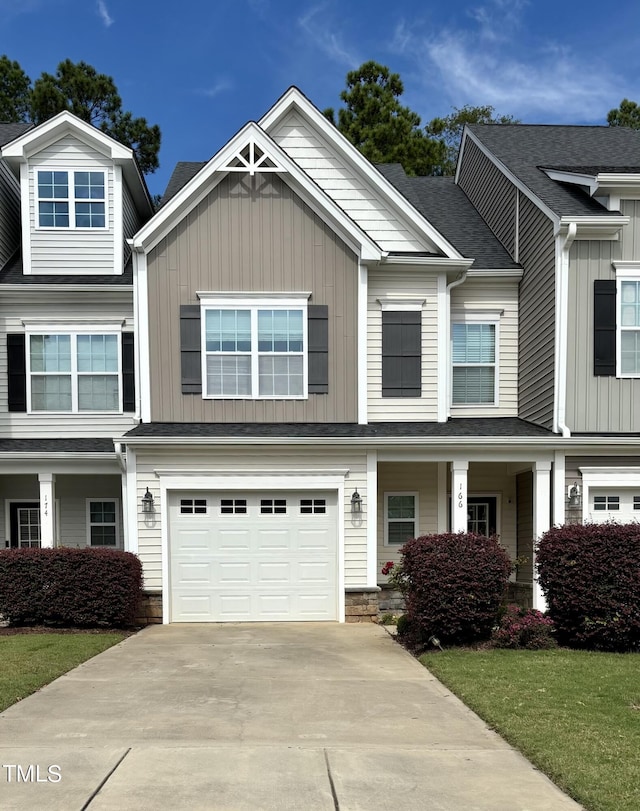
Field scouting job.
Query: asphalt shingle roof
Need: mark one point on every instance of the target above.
(86, 445)
(468, 427)
(449, 210)
(12, 273)
(8, 132)
(181, 175)
(524, 148)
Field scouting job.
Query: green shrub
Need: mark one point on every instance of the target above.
(524, 628)
(453, 587)
(73, 587)
(591, 578)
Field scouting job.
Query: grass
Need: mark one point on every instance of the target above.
(574, 714)
(29, 661)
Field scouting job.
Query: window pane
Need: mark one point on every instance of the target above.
(98, 393)
(280, 331)
(229, 375)
(473, 385)
(630, 351)
(228, 330)
(97, 353)
(53, 185)
(103, 535)
(400, 531)
(50, 353)
(89, 185)
(473, 343)
(401, 507)
(280, 375)
(51, 392)
(90, 215)
(53, 215)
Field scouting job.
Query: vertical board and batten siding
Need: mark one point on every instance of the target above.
(13, 312)
(499, 201)
(9, 214)
(230, 460)
(537, 315)
(67, 250)
(252, 234)
(478, 295)
(493, 194)
(351, 191)
(412, 284)
(602, 403)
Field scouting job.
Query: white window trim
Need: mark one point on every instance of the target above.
(116, 502)
(262, 301)
(73, 330)
(416, 515)
(626, 271)
(71, 199)
(491, 317)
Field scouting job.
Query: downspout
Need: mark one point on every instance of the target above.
(460, 279)
(562, 330)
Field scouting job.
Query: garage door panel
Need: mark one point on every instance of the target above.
(251, 565)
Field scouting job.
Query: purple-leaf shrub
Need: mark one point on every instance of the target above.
(524, 628)
(590, 575)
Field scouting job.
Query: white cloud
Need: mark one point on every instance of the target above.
(103, 12)
(322, 31)
(219, 86)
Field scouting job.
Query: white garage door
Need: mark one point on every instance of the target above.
(621, 504)
(253, 556)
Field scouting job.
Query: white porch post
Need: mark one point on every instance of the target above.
(459, 472)
(541, 520)
(47, 509)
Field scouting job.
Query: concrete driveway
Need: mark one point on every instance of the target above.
(307, 717)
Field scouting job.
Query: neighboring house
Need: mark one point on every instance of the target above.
(332, 357)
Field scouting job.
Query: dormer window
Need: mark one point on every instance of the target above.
(71, 199)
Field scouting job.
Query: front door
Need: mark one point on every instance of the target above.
(24, 524)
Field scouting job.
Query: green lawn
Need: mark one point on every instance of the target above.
(574, 714)
(29, 661)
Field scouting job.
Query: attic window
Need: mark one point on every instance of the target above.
(251, 159)
(71, 202)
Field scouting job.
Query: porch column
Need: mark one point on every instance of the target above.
(541, 520)
(459, 472)
(47, 482)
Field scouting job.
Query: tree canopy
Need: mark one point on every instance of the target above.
(90, 95)
(626, 115)
(385, 131)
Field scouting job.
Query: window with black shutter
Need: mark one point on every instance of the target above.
(604, 328)
(401, 354)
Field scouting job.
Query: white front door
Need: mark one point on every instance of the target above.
(253, 556)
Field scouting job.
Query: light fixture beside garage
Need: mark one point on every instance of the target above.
(147, 502)
(574, 495)
(356, 502)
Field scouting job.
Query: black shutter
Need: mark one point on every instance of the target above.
(190, 351)
(604, 328)
(128, 372)
(318, 352)
(16, 372)
(402, 354)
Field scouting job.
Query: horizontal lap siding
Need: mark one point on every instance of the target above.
(269, 459)
(420, 286)
(482, 295)
(352, 192)
(131, 222)
(252, 234)
(65, 250)
(40, 425)
(598, 403)
(9, 214)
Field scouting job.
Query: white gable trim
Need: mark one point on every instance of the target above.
(210, 175)
(295, 99)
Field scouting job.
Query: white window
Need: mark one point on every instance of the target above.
(73, 372)
(102, 522)
(254, 350)
(71, 199)
(629, 327)
(474, 365)
(400, 518)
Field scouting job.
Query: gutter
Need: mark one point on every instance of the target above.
(562, 328)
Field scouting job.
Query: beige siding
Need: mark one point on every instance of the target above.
(65, 250)
(491, 193)
(252, 234)
(537, 319)
(60, 308)
(411, 284)
(268, 459)
(598, 403)
(484, 295)
(351, 191)
(9, 214)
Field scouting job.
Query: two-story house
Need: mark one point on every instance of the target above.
(70, 198)
(327, 358)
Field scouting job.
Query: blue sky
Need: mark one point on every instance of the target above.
(202, 68)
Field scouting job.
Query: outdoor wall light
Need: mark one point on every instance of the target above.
(147, 502)
(574, 495)
(356, 502)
